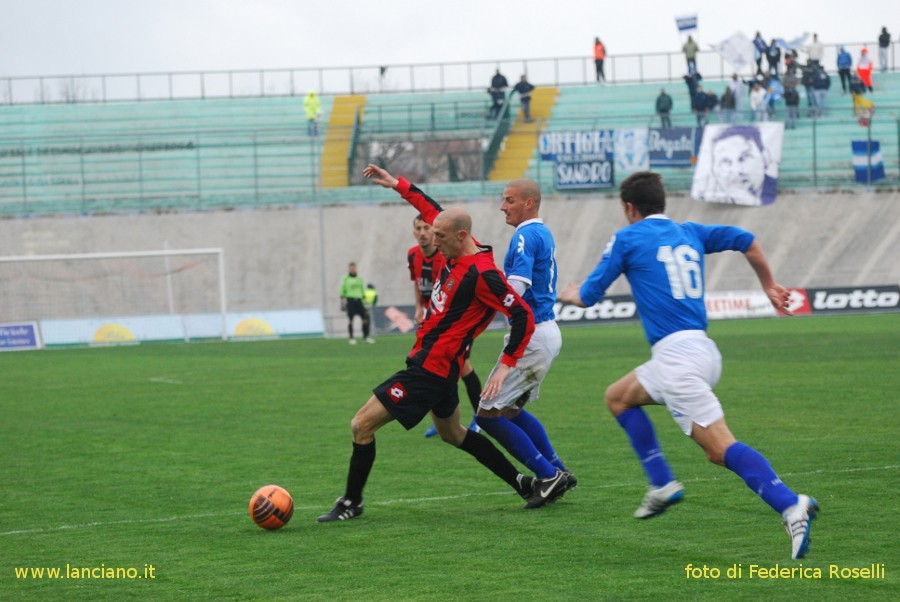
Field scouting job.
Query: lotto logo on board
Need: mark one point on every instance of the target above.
(798, 302)
(397, 392)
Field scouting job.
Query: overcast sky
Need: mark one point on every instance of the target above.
(68, 37)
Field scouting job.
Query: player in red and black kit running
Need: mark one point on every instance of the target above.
(470, 291)
(425, 265)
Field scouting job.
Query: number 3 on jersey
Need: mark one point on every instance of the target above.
(684, 271)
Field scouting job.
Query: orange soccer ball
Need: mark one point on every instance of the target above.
(271, 507)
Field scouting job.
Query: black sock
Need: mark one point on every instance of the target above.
(473, 388)
(493, 459)
(366, 328)
(360, 466)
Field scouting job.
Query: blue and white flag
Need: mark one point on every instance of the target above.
(795, 44)
(868, 164)
(686, 23)
(632, 150)
(738, 50)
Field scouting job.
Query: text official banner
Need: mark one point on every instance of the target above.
(584, 159)
(19, 336)
(590, 173)
(672, 147)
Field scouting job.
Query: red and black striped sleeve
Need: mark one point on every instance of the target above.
(495, 291)
(424, 204)
(411, 261)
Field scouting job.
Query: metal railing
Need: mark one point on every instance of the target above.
(190, 170)
(421, 77)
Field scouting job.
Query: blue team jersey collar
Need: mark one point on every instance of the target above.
(536, 220)
(657, 216)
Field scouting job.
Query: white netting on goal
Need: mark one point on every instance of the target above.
(175, 282)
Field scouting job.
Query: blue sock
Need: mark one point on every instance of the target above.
(643, 440)
(757, 473)
(538, 434)
(516, 442)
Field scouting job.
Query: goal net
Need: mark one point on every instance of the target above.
(176, 294)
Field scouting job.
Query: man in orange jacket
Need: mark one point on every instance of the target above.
(599, 56)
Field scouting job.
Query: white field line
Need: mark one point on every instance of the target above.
(169, 519)
(165, 380)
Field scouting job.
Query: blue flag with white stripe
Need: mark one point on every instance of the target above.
(868, 164)
(686, 23)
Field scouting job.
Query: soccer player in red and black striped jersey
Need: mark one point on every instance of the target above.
(425, 265)
(470, 291)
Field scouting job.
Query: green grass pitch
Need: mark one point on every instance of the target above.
(142, 456)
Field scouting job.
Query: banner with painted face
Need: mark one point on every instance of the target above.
(738, 164)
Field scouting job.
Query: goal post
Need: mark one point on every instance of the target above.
(117, 297)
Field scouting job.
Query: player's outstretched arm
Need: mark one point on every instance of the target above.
(778, 295)
(571, 295)
(380, 176)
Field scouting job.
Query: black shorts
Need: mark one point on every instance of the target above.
(410, 394)
(355, 307)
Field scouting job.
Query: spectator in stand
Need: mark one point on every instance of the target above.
(821, 83)
(759, 47)
(790, 79)
(864, 68)
(663, 108)
(599, 57)
(758, 102)
(711, 104)
(775, 92)
(312, 106)
(808, 74)
(498, 93)
(844, 63)
(815, 51)
(698, 105)
(692, 79)
(790, 61)
(690, 50)
(884, 42)
(857, 88)
(728, 104)
(739, 90)
(773, 56)
(524, 89)
(792, 104)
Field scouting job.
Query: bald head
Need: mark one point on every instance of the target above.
(453, 233)
(454, 218)
(529, 189)
(521, 201)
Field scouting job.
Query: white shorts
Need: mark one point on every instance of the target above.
(683, 369)
(523, 384)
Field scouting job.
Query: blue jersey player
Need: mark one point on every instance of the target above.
(530, 268)
(663, 262)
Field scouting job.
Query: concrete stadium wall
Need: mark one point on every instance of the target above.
(274, 257)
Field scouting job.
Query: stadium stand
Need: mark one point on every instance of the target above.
(204, 154)
(88, 158)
